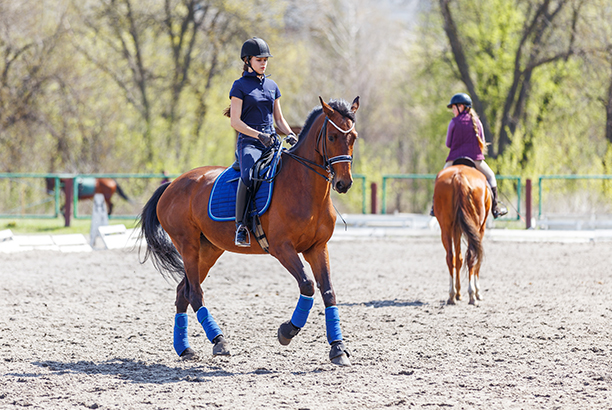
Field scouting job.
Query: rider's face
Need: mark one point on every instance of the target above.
(259, 64)
(457, 109)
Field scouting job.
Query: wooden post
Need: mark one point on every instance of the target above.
(69, 195)
(528, 204)
(374, 196)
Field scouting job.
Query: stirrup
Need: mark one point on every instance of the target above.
(499, 210)
(242, 238)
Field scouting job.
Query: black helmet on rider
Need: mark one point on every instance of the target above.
(255, 47)
(460, 98)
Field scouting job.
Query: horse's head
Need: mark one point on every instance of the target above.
(50, 184)
(338, 136)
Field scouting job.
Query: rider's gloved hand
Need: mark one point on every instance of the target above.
(291, 139)
(266, 139)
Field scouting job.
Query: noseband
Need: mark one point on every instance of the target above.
(327, 162)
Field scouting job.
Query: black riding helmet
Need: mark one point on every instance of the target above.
(255, 47)
(460, 98)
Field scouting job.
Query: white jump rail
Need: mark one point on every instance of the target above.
(10, 243)
(117, 236)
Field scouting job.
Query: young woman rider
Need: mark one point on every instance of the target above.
(255, 107)
(465, 138)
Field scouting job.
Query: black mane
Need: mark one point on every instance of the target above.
(342, 107)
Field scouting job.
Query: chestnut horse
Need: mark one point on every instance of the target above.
(300, 219)
(88, 187)
(462, 202)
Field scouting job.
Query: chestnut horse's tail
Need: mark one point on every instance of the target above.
(467, 218)
(160, 248)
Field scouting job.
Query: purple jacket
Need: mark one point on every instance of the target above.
(462, 140)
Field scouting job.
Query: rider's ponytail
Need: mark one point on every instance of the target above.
(481, 141)
(245, 68)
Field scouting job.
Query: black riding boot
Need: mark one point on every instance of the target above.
(242, 232)
(497, 208)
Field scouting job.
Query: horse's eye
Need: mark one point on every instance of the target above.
(331, 137)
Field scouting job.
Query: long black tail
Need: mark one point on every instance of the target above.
(160, 248)
(122, 194)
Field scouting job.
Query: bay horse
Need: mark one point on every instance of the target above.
(462, 202)
(300, 219)
(89, 186)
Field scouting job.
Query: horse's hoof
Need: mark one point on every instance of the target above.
(458, 297)
(339, 354)
(188, 354)
(221, 347)
(286, 332)
(450, 301)
(473, 302)
(341, 360)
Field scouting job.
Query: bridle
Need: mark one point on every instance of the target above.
(327, 162)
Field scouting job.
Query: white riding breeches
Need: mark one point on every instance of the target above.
(484, 168)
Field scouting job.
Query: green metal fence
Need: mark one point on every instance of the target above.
(577, 195)
(141, 187)
(25, 195)
(426, 192)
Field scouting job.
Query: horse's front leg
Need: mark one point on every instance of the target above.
(289, 258)
(318, 258)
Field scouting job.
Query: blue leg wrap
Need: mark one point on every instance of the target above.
(181, 339)
(208, 323)
(300, 314)
(332, 324)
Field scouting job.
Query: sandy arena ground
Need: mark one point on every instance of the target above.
(94, 330)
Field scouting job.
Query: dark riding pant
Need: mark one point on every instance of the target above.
(249, 151)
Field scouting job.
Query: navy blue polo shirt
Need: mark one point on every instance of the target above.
(257, 100)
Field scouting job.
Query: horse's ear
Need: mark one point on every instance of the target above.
(355, 104)
(329, 111)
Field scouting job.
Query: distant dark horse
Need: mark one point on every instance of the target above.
(88, 187)
(300, 219)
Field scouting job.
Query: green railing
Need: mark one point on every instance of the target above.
(116, 176)
(44, 198)
(564, 177)
(39, 199)
(387, 177)
(363, 191)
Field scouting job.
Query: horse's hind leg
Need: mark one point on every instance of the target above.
(458, 263)
(472, 278)
(181, 340)
(198, 261)
(447, 242)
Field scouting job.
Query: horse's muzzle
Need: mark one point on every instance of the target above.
(342, 186)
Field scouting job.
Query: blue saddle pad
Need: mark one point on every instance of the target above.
(222, 202)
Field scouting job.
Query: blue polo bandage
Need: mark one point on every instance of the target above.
(300, 314)
(332, 324)
(181, 339)
(208, 323)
